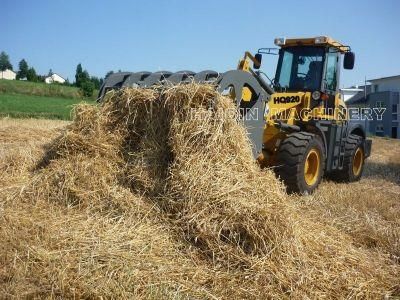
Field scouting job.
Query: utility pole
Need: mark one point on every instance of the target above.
(365, 88)
(365, 97)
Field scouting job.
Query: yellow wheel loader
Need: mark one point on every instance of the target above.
(298, 122)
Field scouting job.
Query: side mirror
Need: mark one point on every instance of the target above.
(258, 58)
(349, 59)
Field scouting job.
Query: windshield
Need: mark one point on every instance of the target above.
(300, 68)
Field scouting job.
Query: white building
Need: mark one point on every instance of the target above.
(54, 78)
(385, 84)
(8, 74)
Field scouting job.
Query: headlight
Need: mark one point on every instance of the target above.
(266, 110)
(279, 41)
(316, 95)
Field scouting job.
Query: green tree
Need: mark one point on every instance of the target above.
(85, 83)
(108, 74)
(85, 76)
(5, 62)
(81, 76)
(87, 88)
(23, 69)
(31, 75)
(78, 75)
(96, 82)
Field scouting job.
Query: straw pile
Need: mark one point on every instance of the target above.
(155, 194)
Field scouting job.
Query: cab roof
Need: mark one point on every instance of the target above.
(316, 41)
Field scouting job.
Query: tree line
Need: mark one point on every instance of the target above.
(24, 72)
(86, 83)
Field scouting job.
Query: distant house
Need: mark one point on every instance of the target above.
(381, 93)
(8, 74)
(54, 78)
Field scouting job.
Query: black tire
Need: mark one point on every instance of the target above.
(291, 161)
(347, 174)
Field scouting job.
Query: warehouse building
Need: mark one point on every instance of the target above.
(380, 93)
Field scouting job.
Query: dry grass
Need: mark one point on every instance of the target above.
(369, 209)
(139, 199)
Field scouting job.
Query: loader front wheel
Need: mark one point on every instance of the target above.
(301, 162)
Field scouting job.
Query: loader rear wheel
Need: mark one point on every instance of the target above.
(353, 163)
(301, 162)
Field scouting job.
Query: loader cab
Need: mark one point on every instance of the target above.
(300, 68)
(308, 68)
(312, 65)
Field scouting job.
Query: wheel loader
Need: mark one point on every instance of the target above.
(297, 122)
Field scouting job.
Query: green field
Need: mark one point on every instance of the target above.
(22, 99)
(24, 106)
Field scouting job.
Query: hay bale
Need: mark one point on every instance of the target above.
(146, 156)
(212, 179)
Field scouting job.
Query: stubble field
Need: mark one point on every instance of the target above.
(79, 217)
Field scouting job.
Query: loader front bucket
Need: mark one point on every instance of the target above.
(243, 87)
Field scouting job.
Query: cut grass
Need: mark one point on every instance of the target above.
(39, 107)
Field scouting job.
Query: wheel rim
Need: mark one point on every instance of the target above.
(358, 161)
(311, 167)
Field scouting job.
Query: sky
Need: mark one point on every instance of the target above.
(197, 35)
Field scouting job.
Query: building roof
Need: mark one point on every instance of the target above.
(55, 74)
(352, 89)
(359, 98)
(9, 70)
(384, 78)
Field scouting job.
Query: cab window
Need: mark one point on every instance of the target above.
(331, 70)
(300, 68)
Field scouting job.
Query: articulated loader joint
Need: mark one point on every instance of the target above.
(286, 127)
